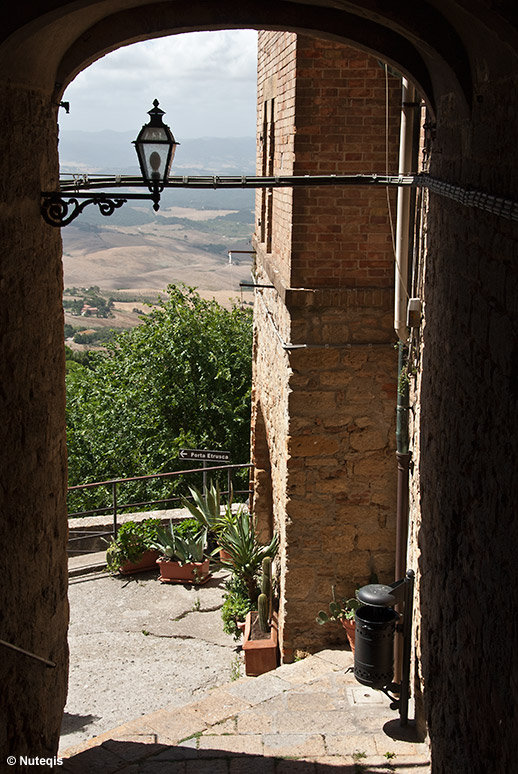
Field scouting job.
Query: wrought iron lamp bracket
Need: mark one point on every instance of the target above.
(58, 210)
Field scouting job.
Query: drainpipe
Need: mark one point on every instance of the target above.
(404, 202)
(403, 244)
(403, 456)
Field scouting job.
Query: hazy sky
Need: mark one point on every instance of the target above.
(205, 81)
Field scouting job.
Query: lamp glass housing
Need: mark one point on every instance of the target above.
(155, 146)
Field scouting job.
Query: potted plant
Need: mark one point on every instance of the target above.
(260, 639)
(131, 551)
(244, 554)
(342, 610)
(182, 560)
(206, 508)
(236, 605)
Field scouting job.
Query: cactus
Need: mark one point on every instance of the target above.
(264, 601)
(263, 609)
(266, 579)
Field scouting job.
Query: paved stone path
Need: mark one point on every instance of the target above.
(137, 645)
(310, 717)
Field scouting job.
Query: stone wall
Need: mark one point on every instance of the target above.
(33, 526)
(465, 482)
(324, 364)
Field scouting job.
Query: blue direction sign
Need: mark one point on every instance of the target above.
(204, 455)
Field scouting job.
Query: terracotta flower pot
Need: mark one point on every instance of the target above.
(146, 562)
(224, 555)
(350, 630)
(261, 655)
(191, 572)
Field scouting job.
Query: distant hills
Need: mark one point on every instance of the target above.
(186, 241)
(113, 153)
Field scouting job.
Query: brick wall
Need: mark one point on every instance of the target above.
(342, 236)
(324, 365)
(277, 52)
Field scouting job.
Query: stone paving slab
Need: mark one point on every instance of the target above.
(258, 690)
(300, 719)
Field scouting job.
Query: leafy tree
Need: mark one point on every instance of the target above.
(181, 378)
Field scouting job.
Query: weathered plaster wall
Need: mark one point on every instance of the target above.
(33, 524)
(324, 364)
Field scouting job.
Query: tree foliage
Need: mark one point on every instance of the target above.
(180, 379)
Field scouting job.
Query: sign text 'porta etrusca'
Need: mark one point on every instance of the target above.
(205, 455)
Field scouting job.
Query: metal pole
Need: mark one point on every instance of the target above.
(403, 457)
(28, 653)
(114, 497)
(204, 478)
(407, 641)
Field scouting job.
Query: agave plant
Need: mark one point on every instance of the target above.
(238, 538)
(206, 507)
(183, 550)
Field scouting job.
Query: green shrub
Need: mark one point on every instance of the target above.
(187, 529)
(236, 605)
(238, 538)
(181, 379)
(133, 539)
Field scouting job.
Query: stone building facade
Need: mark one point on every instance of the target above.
(463, 58)
(325, 368)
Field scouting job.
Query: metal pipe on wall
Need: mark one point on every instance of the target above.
(404, 201)
(402, 259)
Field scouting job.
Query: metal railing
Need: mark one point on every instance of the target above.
(116, 508)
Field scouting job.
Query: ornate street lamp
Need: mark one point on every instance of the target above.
(155, 146)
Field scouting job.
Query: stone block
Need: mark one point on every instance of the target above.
(374, 465)
(293, 745)
(208, 766)
(231, 744)
(316, 722)
(94, 760)
(337, 537)
(314, 360)
(348, 744)
(343, 659)
(369, 439)
(257, 720)
(313, 445)
(259, 689)
(251, 765)
(382, 540)
(336, 379)
(308, 403)
(158, 767)
(172, 726)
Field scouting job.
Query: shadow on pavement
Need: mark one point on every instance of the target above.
(149, 757)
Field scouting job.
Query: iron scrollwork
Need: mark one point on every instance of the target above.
(57, 211)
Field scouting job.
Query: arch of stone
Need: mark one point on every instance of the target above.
(462, 57)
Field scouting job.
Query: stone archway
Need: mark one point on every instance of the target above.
(464, 57)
